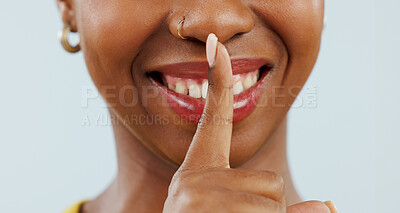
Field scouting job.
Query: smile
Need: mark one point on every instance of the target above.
(184, 86)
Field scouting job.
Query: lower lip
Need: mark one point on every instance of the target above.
(191, 109)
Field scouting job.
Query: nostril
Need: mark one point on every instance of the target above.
(238, 35)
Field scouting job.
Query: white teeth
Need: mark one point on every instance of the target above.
(194, 91)
(247, 83)
(181, 88)
(193, 88)
(171, 87)
(204, 89)
(254, 80)
(238, 88)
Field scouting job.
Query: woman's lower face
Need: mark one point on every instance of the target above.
(155, 81)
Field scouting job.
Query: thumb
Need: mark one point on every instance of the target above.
(311, 207)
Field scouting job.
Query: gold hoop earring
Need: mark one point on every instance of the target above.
(179, 26)
(64, 40)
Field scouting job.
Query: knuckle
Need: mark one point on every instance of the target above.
(190, 196)
(276, 181)
(185, 199)
(279, 183)
(180, 179)
(183, 186)
(191, 179)
(276, 178)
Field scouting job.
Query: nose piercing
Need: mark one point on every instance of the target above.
(179, 27)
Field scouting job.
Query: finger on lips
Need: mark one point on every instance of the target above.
(210, 146)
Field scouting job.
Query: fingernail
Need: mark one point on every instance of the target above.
(331, 206)
(211, 49)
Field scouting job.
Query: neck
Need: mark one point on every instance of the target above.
(143, 178)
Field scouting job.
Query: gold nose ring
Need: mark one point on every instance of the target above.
(179, 27)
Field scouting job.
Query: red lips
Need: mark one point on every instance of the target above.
(191, 109)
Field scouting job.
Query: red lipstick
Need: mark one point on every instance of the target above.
(191, 109)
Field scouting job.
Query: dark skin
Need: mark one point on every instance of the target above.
(123, 40)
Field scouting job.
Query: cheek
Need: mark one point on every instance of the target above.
(112, 32)
(304, 42)
(299, 24)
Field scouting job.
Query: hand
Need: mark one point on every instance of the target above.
(205, 182)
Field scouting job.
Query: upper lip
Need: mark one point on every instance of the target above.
(199, 69)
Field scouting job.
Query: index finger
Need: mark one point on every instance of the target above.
(211, 143)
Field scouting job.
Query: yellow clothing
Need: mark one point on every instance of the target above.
(75, 208)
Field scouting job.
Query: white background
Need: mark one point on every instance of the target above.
(344, 149)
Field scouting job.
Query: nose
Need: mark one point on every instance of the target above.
(224, 18)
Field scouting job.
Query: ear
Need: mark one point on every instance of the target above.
(67, 11)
